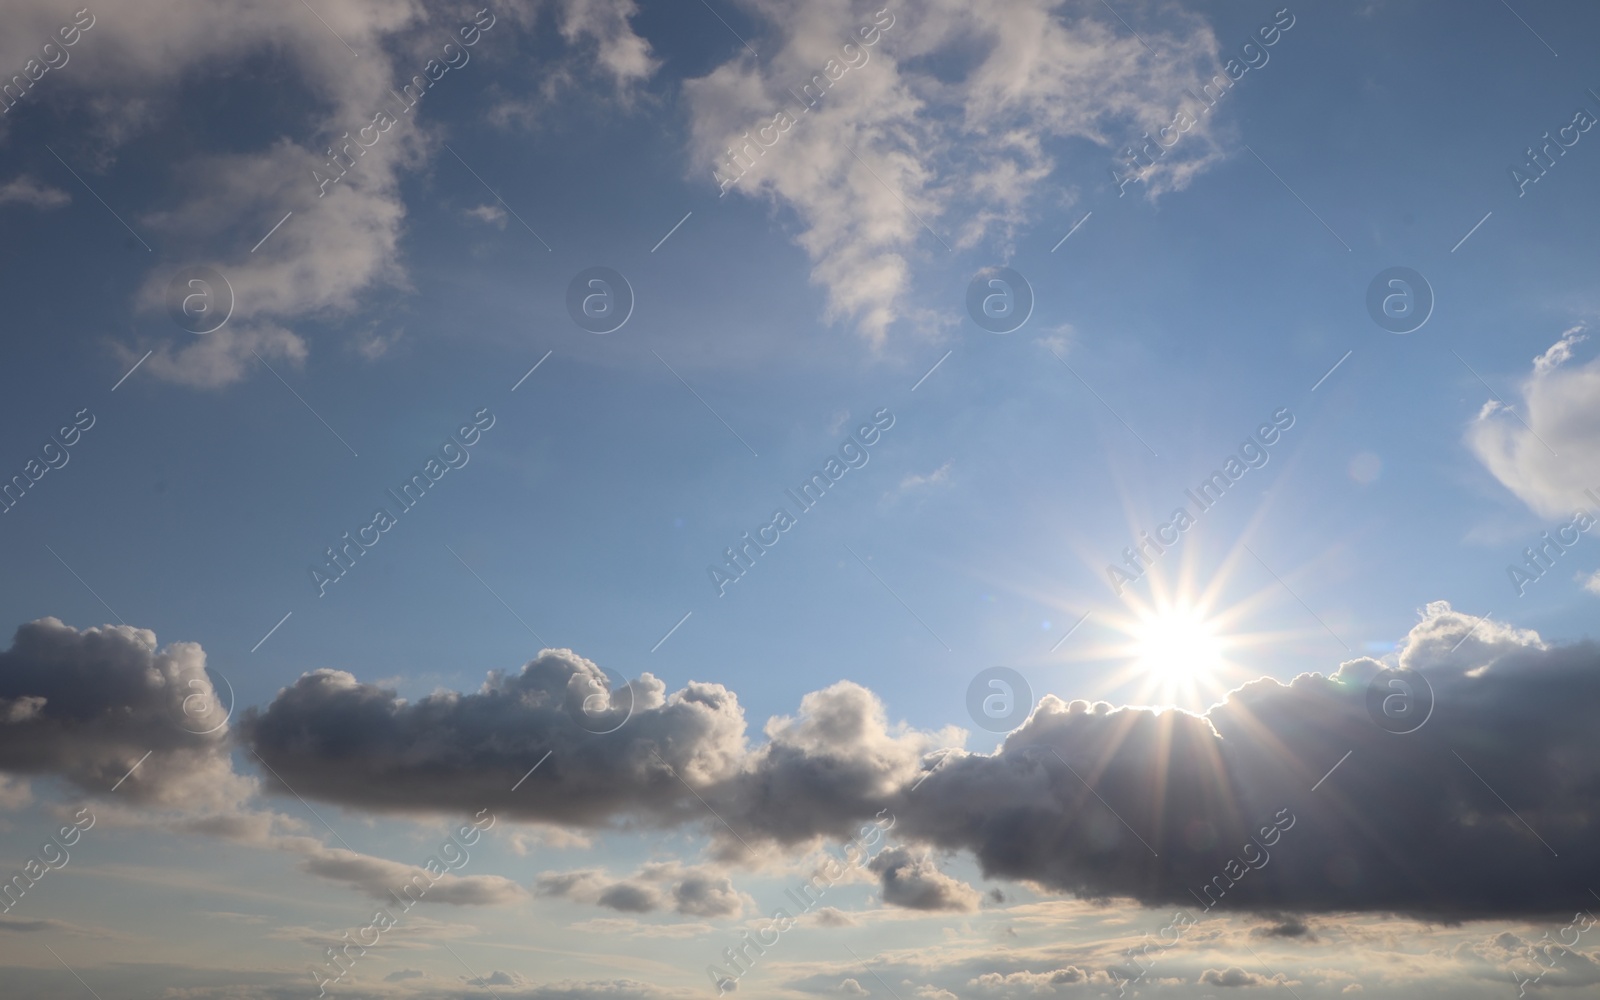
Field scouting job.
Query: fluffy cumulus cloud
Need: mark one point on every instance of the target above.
(1175, 801)
(1235, 977)
(1512, 716)
(935, 135)
(1547, 449)
(821, 772)
(328, 736)
(1083, 799)
(915, 882)
(88, 705)
(344, 238)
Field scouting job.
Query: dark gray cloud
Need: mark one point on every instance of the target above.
(703, 895)
(330, 737)
(1176, 798)
(1404, 824)
(88, 705)
(1484, 812)
(914, 882)
(1284, 925)
(16, 925)
(629, 898)
(692, 892)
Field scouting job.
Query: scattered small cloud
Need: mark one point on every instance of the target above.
(25, 190)
(832, 916)
(1233, 977)
(373, 345)
(916, 481)
(916, 883)
(219, 358)
(492, 215)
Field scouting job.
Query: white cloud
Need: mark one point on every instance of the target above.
(493, 215)
(219, 358)
(917, 481)
(1547, 450)
(343, 240)
(892, 151)
(27, 191)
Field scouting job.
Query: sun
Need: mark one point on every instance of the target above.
(1175, 648)
(1173, 652)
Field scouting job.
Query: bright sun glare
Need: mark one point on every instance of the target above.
(1176, 648)
(1174, 653)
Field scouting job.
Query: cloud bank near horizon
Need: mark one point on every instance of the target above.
(1083, 799)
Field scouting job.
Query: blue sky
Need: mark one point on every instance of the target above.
(770, 321)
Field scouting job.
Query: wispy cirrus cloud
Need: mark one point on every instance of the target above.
(342, 242)
(940, 134)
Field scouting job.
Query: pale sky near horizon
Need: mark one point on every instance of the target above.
(1102, 493)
